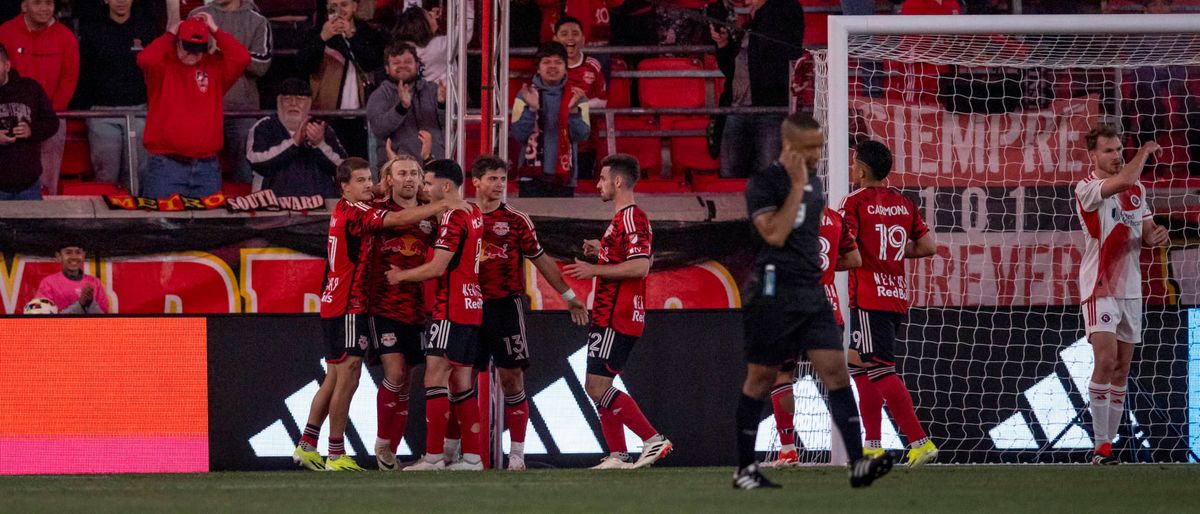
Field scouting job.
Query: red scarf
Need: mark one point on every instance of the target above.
(535, 155)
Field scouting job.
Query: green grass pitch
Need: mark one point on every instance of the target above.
(1022, 489)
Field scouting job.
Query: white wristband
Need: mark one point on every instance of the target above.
(569, 295)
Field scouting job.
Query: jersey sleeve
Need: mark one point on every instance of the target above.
(919, 228)
(760, 197)
(1088, 194)
(849, 212)
(638, 235)
(846, 244)
(527, 238)
(365, 220)
(451, 231)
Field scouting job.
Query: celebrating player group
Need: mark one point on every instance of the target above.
(386, 242)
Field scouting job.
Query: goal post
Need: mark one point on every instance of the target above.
(986, 117)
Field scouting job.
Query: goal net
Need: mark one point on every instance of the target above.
(987, 126)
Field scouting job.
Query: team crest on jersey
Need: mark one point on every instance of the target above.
(500, 228)
(589, 77)
(1136, 201)
(388, 339)
(426, 226)
(362, 342)
(202, 80)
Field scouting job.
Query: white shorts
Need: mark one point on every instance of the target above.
(1120, 316)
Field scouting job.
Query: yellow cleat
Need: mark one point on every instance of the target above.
(343, 463)
(873, 453)
(918, 457)
(311, 460)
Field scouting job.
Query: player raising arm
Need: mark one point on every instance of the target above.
(343, 310)
(1114, 214)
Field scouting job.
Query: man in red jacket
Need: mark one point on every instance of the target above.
(188, 71)
(47, 52)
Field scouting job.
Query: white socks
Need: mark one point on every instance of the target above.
(1098, 402)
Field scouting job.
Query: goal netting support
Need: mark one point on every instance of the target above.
(986, 116)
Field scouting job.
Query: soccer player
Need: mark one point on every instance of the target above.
(397, 312)
(508, 239)
(619, 313)
(838, 253)
(1113, 210)
(453, 342)
(343, 309)
(788, 312)
(888, 228)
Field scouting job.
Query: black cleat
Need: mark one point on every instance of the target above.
(749, 478)
(1105, 460)
(866, 470)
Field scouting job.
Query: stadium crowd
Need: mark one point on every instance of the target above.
(387, 58)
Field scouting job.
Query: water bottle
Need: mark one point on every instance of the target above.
(769, 280)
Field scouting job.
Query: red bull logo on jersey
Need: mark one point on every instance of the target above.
(639, 309)
(493, 252)
(891, 286)
(407, 246)
(327, 294)
(500, 228)
(894, 210)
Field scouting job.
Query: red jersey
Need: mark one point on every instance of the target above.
(457, 296)
(508, 239)
(344, 292)
(835, 241)
(587, 76)
(881, 221)
(405, 248)
(621, 304)
(593, 15)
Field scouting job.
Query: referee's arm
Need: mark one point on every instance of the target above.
(774, 224)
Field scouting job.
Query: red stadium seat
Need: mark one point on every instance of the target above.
(618, 89)
(656, 184)
(689, 153)
(77, 188)
(77, 159)
(713, 183)
(671, 92)
(648, 150)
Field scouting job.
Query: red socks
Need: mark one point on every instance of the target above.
(613, 430)
(784, 421)
(466, 409)
(626, 410)
(870, 407)
(900, 404)
(516, 416)
(385, 404)
(437, 415)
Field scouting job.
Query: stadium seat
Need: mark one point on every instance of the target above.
(689, 152)
(671, 92)
(618, 89)
(78, 188)
(713, 183)
(648, 150)
(77, 159)
(655, 184)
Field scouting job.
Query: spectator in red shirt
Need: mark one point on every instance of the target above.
(584, 73)
(930, 7)
(46, 51)
(187, 76)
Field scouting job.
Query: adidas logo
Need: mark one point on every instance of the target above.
(570, 425)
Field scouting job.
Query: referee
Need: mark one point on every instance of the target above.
(788, 312)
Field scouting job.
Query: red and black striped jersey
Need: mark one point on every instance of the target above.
(835, 241)
(344, 291)
(458, 297)
(508, 239)
(621, 304)
(882, 221)
(403, 247)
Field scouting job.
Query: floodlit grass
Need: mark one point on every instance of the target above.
(958, 489)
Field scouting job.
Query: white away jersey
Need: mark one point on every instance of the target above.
(1112, 256)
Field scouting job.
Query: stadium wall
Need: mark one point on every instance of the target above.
(187, 394)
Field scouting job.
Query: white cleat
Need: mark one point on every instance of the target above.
(452, 451)
(611, 462)
(384, 456)
(516, 462)
(467, 463)
(656, 449)
(425, 465)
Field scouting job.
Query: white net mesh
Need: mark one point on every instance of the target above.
(988, 136)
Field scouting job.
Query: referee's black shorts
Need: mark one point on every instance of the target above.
(775, 335)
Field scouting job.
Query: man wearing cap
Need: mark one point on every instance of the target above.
(241, 19)
(71, 290)
(295, 154)
(188, 71)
